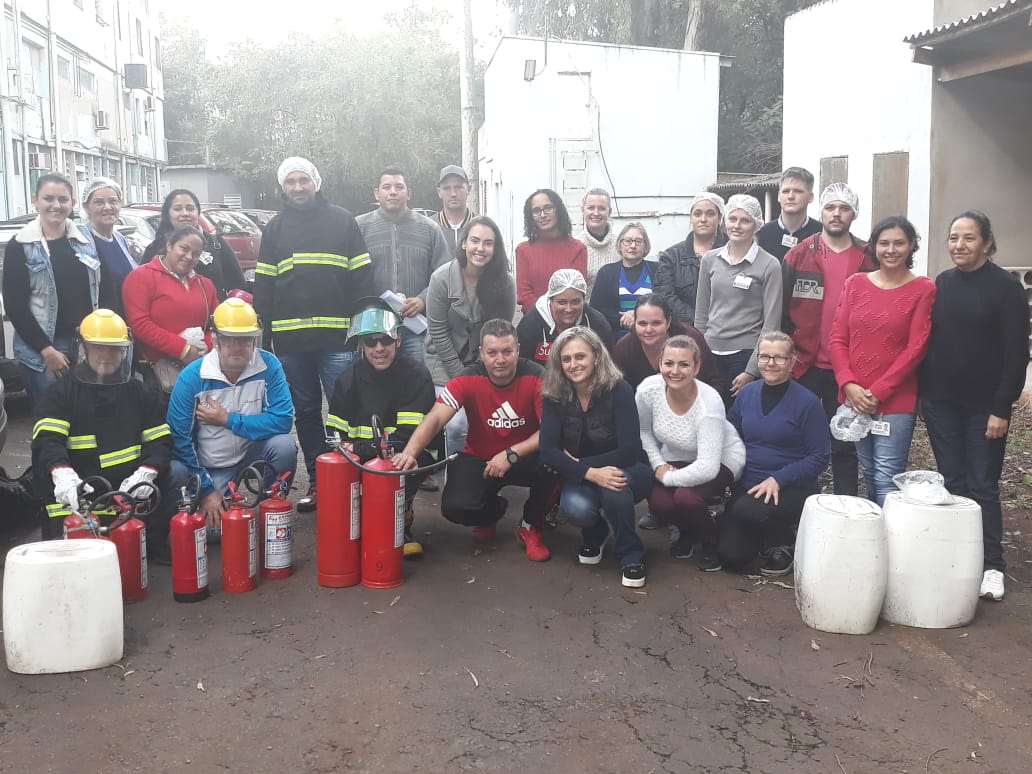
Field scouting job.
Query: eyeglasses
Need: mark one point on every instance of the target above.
(775, 359)
(632, 241)
(547, 209)
(373, 341)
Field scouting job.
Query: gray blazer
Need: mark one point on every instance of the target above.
(454, 320)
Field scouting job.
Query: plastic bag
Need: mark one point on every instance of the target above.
(848, 425)
(924, 486)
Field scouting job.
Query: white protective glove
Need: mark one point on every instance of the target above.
(66, 487)
(143, 475)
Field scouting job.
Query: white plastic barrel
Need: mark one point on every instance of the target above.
(935, 562)
(62, 606)
(841, 564)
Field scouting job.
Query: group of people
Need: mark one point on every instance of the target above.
(719, 365)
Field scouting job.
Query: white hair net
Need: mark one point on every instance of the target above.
(565, 279)
(840, 192)
(298, 164)
(100, 182)
(706, 196)
(747, 204)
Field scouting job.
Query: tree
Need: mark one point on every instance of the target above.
(750, 30)
(185, 70)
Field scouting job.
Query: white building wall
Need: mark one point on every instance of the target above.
(60, 72)
(639, 122)
(852, 90)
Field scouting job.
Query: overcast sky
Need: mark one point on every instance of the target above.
(270, 21)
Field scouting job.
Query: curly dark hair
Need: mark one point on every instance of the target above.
(893, 221)
(530, 228)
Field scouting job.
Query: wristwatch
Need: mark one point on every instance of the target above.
(511, 456)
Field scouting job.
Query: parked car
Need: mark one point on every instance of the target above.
(260, 217)
(239, 231)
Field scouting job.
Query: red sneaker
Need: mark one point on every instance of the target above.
(484, 534)
(536, 549)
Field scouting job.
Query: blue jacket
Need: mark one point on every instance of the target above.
(259, 407)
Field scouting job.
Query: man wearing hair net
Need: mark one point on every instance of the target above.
(312, 268)
(814, 272)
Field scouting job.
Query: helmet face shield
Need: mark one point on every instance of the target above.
(370, 321)
(103, 363)
(237, 350)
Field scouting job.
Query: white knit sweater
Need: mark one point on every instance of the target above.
(701, 436)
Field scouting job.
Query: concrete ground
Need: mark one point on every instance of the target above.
(483, 661)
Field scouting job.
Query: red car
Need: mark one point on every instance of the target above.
(239, 231)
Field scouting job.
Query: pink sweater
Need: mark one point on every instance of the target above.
(878, 339)
(536, 261)
(158, 306)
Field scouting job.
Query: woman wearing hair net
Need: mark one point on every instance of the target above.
(677, 272)
(739, 293)
(563, 306)
(102, 201)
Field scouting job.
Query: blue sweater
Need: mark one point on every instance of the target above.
(623, 454)
(259, 407)
(792, 443)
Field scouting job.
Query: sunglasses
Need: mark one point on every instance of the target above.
(373, 341)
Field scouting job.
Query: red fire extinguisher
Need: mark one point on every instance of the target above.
(188, 537)
(383, 525)
(276, 531)
(239, 546)
(337, 518)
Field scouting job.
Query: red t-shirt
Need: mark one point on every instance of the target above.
(499, 417)
(837, 268)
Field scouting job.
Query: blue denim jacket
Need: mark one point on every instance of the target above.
(43, 288)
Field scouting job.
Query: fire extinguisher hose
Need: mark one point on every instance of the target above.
(428, 468)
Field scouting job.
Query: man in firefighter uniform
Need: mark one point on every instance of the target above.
(232, 408)
(386, 383)
(99, 421)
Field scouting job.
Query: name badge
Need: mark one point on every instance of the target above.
(789, 241)
(742, 281)
(91, 263)
(543, 348)
(880, 428)
(206, 258)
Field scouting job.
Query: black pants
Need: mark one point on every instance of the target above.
(748, 525)
(844, 468)
(472, 499)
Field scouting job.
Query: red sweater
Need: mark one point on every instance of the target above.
(536, 261)
(158, 306)
(879, 337)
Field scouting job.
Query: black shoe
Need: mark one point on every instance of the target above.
(682, 548)
(634, 576)
(708, 561)
(160, 554)
(777, 561)
(306, 504)
(590, 554)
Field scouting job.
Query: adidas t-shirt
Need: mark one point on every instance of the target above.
(498, 416)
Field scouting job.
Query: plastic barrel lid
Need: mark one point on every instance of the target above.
(849, 507)
(55, 551)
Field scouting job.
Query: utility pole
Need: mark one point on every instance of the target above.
(469, 129)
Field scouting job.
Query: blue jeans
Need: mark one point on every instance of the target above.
(883, 456)
(583, 504)
(971, 464)
(38, 382)
(309, 375)
(412, 344)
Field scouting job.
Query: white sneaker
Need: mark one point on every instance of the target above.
(992, 585)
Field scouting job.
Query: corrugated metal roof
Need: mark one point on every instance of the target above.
(988, 16)
(746, 183)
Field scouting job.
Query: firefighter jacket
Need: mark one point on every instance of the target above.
(402, 395)
(258, 405)
(98, 430)
(312, 268)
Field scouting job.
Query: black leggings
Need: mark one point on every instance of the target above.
(749, 526)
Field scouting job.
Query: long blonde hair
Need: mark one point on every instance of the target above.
(557, 387)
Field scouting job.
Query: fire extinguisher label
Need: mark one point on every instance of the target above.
(356, 510)
(200, 537)
(252, 548)
(399, 517)
(279, 536)
(143, 558)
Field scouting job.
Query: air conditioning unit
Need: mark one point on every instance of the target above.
(39, 161)
(102, 120)
(148, 104)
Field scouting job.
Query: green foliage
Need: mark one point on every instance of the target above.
(185, 71)
(351, 104)
(752, 31)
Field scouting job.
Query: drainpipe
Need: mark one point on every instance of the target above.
(55, 97)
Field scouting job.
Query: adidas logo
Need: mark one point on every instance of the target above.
(505, 417)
